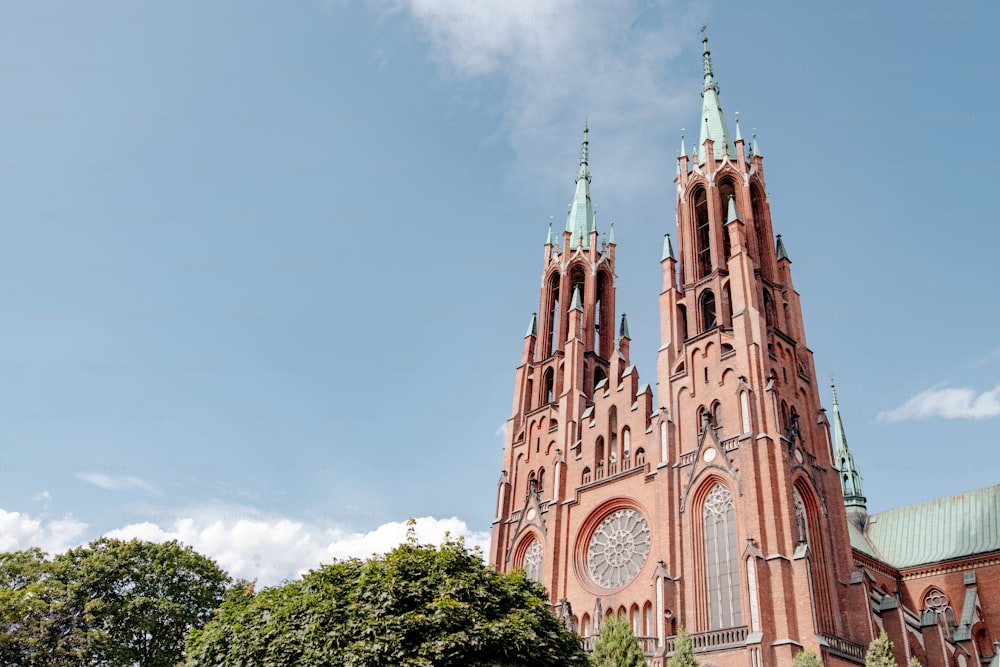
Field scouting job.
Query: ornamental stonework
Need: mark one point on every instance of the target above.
(618, 548)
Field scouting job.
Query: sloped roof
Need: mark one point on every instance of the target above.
(951, 527)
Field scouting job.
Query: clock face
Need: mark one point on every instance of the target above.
(618, 548)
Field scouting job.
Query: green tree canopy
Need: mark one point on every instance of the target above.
(683, 651)
(416, 606)
(879, 652)
(617, 646)
(109, 603)
(806, 658)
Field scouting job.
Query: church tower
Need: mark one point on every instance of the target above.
(720, 509)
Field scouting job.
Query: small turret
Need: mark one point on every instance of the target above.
(850, 475)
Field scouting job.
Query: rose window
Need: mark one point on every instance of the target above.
(618, 548)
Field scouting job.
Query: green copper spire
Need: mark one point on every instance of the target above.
(756, 148)
(577, 303)
(684, 150)
(611, 234)
(713, 123)
(779, 249)
(739, 137)
(733, 213)
(548, 239)
(532, 326)
(581, 220)
(850, 476)
(623, 330)
(668, 249)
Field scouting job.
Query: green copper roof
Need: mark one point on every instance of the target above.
(713, 123)
(611, 234)
(532, 326)
(581, 221)
(548, 239)
(577, 303)
(668, 248)
(952, 527)
(850, 475)
(779, 249)
(623, 330)
(733, 213)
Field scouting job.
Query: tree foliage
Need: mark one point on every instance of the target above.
(417, 606)
(683, 651)
(109, 603)
(879, 652)
(617, 646)
(913, 662)
(806, 658)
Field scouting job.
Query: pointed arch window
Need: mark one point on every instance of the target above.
(722, 576)
(726, 190)
(760, 232)
(533, 561)
(552, 340)
(613, 434)
(707, 303)
(768, 309)
(702, 235)
(549, 385)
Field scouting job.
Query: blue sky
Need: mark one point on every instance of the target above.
(266, 267)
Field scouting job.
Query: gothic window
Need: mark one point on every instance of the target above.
(552, 342)
(702, 235)
(727, 306)
(533, 561)
(603, 326)
(613, 434)
(936, 601)
(647, 620)
(768, 308)
(802, 532)
(549, 385)
(682, 321)
(726, 190)
(599, 451)
(585, 479)
(618, 548)
(626, 443)
(717, 415)
(721, 564)
(757, 206)
(640, 456)
(541, 479)
(704, 418)
(707, 301)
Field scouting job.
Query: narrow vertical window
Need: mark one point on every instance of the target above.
(707, 310)
(726, 190)
(702, 235)
(682, 321)
(613, 434)
(549, 385)
(663, 442)
(721, 564)
(745, 410)
(763, 254)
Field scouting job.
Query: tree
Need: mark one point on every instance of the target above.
(617, 646)
(683, 651)
(416, 606)
(913, 662)
(111, 603)
(879, 652)
(37, 624)
(806, 658)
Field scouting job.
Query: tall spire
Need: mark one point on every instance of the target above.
(713, 123)
(850, 475)
(581, 220)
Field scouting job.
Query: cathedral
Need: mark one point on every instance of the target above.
(730, 505)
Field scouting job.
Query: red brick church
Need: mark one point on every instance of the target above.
(731, 505)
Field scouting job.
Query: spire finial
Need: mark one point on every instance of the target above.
(739, 136)
(611, 234)
(684, 151)
(756, 149)
(706, 57)
(833, 387)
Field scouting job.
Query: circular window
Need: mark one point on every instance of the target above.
(618, 548)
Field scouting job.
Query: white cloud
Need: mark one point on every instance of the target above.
(502, 431)
(271, 549)
(947, 403)
(562, 59)
(120, 483)
(51, 534)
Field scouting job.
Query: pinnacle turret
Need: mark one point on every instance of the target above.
(850, 475)
(779, 249)
(623, 330)
(668, 248)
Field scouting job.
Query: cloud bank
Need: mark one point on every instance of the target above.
(559, 60)
(947, 403)
(245, 543)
